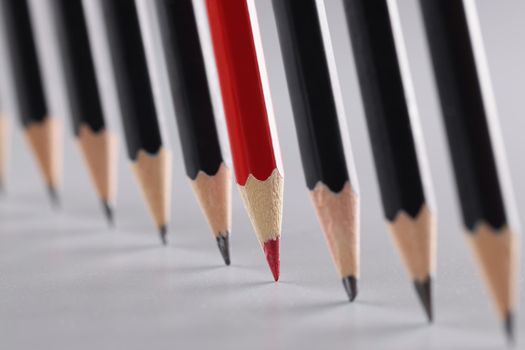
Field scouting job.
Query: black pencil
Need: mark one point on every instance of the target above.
(210, 177)
(150, 156)
(41, 130)
(333, 193)
(466, 119)
(407, 208)
(96, 142)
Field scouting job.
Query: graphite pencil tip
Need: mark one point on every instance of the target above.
(509, 327)
(109, 213)
(350, 284)
(223, 242)
(163, 232)
(53, 196)
(271, 250)
(424, 291)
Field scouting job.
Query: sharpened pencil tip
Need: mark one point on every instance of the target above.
(53, 196)
(108, 212)
(163, 232)
(223, 242)
(271, 250)
(424, 291)
(509, 327)
(350, 284)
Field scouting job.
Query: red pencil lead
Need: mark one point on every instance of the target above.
(272, 252)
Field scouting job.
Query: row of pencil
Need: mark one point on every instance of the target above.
(312, 75)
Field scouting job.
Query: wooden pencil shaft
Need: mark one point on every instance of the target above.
(214, 195)
(313, 102)
(496, 253)
(386, 108)
(24, 61)
(415, 239)
(45, 142)
(464, 113)
(78, 65)
(100, 153)
(189, 87)
(264, 202)
(338, 215)
(141, 126)
(153, 172)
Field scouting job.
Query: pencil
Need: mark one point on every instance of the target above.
(209, 176)
(146, 146)
(96, 142)
(4, 145)
(251, 127)
(402, 181)
(470, 125)
(41, 130)
(334, 195)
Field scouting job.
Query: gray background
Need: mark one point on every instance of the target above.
(68, 281)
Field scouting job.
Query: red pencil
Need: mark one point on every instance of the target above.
(253, 141)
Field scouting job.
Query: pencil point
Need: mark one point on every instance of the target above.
(271, 250)
(53, 196)
(509, 327)
(424, 291)
(163, 231)
(109, 213)
(223, 242)
(350, 284)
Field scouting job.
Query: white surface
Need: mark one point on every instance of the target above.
(67, 282)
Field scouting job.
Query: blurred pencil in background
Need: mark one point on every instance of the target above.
(4, 146)
(145, 140)
(393, 128)
(97, 144)
(42, 131)
(471, 124)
